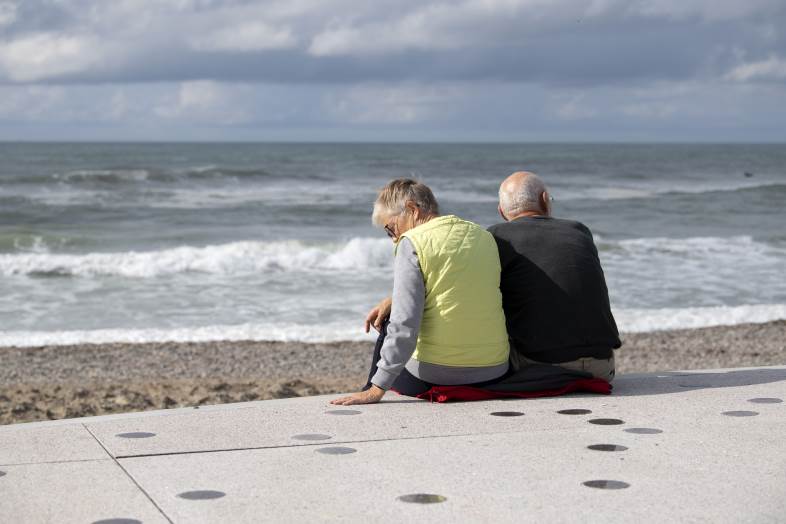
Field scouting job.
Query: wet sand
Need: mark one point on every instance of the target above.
(54, 382)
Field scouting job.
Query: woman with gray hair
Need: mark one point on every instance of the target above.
(446, 324)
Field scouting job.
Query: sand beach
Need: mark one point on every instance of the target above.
(55, 382)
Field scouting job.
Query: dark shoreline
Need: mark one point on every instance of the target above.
(53, 382)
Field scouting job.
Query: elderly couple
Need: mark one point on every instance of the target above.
(471, 307)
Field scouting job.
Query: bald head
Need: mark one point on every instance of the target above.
(523, 193)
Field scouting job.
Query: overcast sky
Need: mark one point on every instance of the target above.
(393, 70)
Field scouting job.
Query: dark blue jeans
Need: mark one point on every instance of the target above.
(407, 383)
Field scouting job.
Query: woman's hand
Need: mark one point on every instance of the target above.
(379, 314)
(370, 396)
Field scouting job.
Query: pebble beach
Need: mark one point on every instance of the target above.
(55, 382)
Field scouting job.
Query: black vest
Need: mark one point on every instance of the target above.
(553, 290)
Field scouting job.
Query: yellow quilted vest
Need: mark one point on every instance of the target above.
(463, 322)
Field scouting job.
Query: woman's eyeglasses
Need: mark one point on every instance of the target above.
(390, 232)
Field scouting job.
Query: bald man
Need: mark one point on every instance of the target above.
(553, 290)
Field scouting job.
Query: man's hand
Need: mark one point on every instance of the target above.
(370, 396)
(379, 314)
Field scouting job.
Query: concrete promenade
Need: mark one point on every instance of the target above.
(693, 446)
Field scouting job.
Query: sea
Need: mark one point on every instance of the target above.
(104, 242)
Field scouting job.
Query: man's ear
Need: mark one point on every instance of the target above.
(499, 208)
(545, 203)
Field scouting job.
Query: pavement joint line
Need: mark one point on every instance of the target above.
(52, 462)
(314, 444)
(124, 470)
(338, 442)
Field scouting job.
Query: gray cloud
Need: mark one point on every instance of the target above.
(338, 41)
(394, 69)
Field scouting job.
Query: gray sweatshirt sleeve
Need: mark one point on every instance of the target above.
(409, 298)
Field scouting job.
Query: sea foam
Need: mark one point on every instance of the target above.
(628, 320)
(621, 192)
(235, 258)
(336, 331)
(645, 320)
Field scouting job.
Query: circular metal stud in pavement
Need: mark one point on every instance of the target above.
(422, 498)
(202, 494)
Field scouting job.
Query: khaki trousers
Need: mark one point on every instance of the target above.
(598, 367)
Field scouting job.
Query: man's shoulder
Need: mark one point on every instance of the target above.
(574, 224)
(495, 227)
(522, 226)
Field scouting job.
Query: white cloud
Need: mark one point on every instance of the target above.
(405, 112)
(199, 95)
(159, 106)
(7, 13)
(156, 40)
(486, 23)
(709, 10)
(73, 104)
(46, 55)
(773, 68)
(412, 32)
(31, 103)
(206, 101)
(649, 110)
(575, 108)
(118, 105)
(440, 25)
(400, 104)
(251, 36)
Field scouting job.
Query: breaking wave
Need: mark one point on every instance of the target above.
(733, 248)
(226, 259)
(613, 192)
(356, 254)
(644, 320)
(625, 193)
(136, 175)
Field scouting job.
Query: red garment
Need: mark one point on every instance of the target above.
(465, 393)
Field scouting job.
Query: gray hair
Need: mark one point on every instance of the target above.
(518, 198)
(393, 198)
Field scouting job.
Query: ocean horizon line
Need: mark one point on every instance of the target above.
(403, 143)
